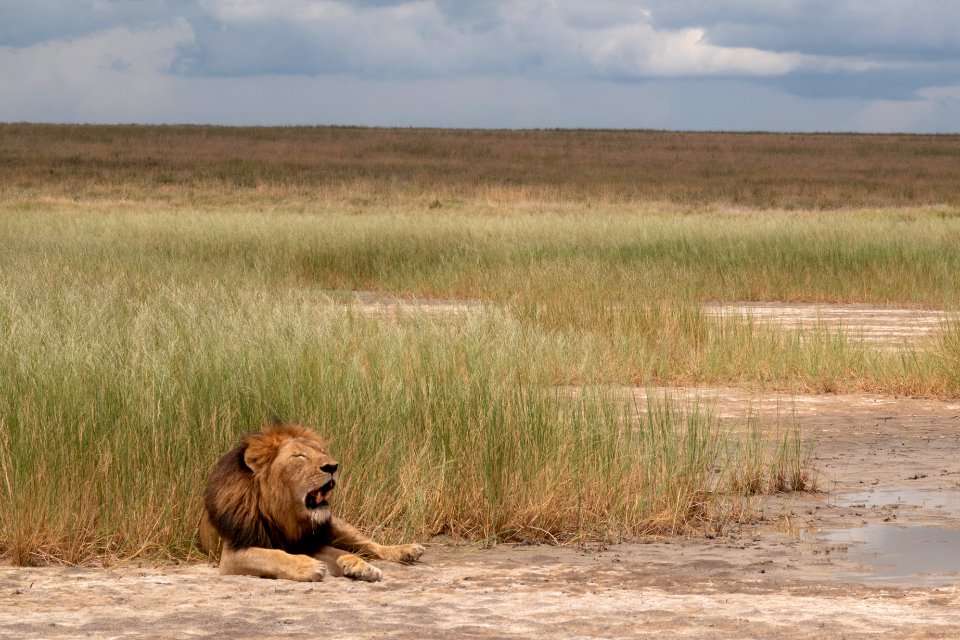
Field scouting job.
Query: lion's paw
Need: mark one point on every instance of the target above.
(308, 570)
(359, 569)
(403, 553)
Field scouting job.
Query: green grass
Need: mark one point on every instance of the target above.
(618, 291)
(114, 410)
(529, 256)
(138, 345)
(139, 341)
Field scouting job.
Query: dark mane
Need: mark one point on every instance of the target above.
(231, 503)
(233, 506)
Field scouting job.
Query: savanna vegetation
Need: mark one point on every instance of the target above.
(358, 167)
(165, 289)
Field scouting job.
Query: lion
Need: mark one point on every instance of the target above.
(267, 509)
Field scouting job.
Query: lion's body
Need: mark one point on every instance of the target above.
(266, 506)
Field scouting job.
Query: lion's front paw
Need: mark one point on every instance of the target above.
(354, 567)
(404, 553)
(308, 570)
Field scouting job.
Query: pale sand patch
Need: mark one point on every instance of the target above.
(885, 326)
(529, 592)
(372, 303)
(738, 404)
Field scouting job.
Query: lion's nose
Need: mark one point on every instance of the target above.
(330, 468)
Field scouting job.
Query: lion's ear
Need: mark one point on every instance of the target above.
(259, 451)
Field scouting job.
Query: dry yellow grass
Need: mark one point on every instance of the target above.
(359, 167)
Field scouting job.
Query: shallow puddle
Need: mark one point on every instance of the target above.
(947, 500)
(901, 555)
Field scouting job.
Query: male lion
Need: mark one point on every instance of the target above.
(266, 499)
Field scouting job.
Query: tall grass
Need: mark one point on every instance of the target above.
(114, 410)
(618, 294)
(138, 344)
(541, 260)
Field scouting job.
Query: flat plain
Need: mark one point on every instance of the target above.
(721, 370)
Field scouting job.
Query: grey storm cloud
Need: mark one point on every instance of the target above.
(28, 22)
(611, 39)
(376, 39)
(887, 48)
(873, 65)
(881, 29)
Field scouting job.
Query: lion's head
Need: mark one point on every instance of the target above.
(272, 489)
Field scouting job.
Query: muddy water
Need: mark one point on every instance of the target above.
(946, 500)
(912, 555)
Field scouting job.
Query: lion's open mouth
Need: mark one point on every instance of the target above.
(318, 498)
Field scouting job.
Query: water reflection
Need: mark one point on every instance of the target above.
(889, 553)
(948, 500)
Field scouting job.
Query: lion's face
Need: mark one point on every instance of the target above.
(295, 476)
(309, 475)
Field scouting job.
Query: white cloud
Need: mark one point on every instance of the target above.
(640, 50)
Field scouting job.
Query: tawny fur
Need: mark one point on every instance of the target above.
(257, 518)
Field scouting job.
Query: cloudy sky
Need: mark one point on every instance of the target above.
(787, 65)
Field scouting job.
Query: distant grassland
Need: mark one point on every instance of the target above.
(162, 290)
(203, 165)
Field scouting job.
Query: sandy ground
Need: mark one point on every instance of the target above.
(877, 553)
(883, 326)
